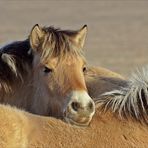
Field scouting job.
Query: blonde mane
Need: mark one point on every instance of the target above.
(58, 44)
(131, 100)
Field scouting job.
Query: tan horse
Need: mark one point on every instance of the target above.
(109, 90)
(52, 80)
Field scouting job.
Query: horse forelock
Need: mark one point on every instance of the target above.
(57, 43)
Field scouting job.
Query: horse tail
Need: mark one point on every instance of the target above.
(130, 100)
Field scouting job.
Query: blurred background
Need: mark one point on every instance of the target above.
(117, 29)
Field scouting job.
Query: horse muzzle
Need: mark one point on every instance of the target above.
(80, 109)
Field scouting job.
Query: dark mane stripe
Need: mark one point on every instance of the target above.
(14, 56)
(19, 49)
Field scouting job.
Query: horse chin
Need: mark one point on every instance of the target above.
(78, 122)
(72, 122)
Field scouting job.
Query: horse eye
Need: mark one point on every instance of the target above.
(47, 70)
(84, 69)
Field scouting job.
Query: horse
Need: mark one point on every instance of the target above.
(121, 109)
(46, 75)
(119, 121)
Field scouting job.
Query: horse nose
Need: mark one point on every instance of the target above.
(86, 109)
(80, 109)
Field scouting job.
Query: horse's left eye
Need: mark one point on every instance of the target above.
(84, 69)
(47, 70)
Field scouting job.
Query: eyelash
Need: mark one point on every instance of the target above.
(84, 69)
(47, 70)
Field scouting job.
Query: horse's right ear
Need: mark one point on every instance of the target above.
(36, 37)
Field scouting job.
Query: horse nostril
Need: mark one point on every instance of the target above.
(90, 106)
(75, 106)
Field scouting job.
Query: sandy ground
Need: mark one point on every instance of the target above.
(118, 30)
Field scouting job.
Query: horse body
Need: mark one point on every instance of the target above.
(28, 131)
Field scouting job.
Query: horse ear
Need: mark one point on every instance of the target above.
(36, 37)
(10, 61)
(80, 36)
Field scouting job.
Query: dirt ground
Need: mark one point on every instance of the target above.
(118, 30)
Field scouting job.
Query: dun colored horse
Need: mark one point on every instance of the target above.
(125, 102)
(46, 75)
